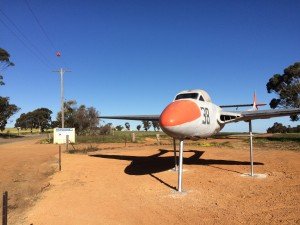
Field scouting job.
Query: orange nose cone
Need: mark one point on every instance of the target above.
(179, 112)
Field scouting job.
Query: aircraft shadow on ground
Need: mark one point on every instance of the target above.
(145, 165)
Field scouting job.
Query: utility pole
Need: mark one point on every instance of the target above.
(61, 72)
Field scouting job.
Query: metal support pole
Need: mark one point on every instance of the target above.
(251, 148)
(175, 156)
(59, 158)
(180, 167)
(5, 208)
(61, 71)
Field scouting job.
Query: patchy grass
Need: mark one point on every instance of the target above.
(14, 131)
(8, 135)
(294, 137)
(288, 137)
(227, 134)
(85, 150)
(211, 144)
(277, 141)
(119, 137)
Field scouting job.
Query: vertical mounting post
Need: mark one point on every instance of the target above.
(251, 148)
(175, 156)
(5, 208)
(180, 166)
(59, 158)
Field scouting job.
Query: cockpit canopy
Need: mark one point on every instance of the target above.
(193, 94)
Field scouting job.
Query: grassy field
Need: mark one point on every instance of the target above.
(120, 137)
(14, 133)
(140, 137)
(290, 137)
(125, 136)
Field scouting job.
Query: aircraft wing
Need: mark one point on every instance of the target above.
(229, 117)
(241, 105)
(133, 117)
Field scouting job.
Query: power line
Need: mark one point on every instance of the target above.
(25, 37)
(24, 43)
(42, 28)
(40, 25)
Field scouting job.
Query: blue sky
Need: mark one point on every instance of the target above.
(132, 57)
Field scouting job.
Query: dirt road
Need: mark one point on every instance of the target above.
(135, 185)
(25, 169)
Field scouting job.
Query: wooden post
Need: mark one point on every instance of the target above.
(59, 158)
(5, 208)
(67, 142)
(158, 139)
(133, 137)
(125, 141)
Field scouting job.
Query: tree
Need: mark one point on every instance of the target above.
(106, 129)
(42, 118)
(277, 128)
(69, 115)
(146, 125)
(85, 120)
(6, 111)
(138, 127)
(155, 125)
(119, 127)
(54, 124)
(287, 88)
(38, 118)
(127, 126)
(4, 63)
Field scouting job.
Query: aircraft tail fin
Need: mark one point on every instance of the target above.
(254, 107)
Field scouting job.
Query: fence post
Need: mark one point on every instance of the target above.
(4, 211)
(133, 137)
(158, 139)
(59, 158)
(67, 142)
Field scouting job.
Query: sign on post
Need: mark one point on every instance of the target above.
(60, 135)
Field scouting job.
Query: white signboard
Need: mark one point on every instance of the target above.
(60, 135)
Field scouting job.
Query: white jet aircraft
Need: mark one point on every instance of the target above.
(192, 115)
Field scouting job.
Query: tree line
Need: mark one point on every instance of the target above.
(279, 128)
(146, 126)
(84, 119)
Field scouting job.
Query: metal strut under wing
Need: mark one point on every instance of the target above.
(132, 117)
(265, 114)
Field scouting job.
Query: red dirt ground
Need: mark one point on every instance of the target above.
(134, 185)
